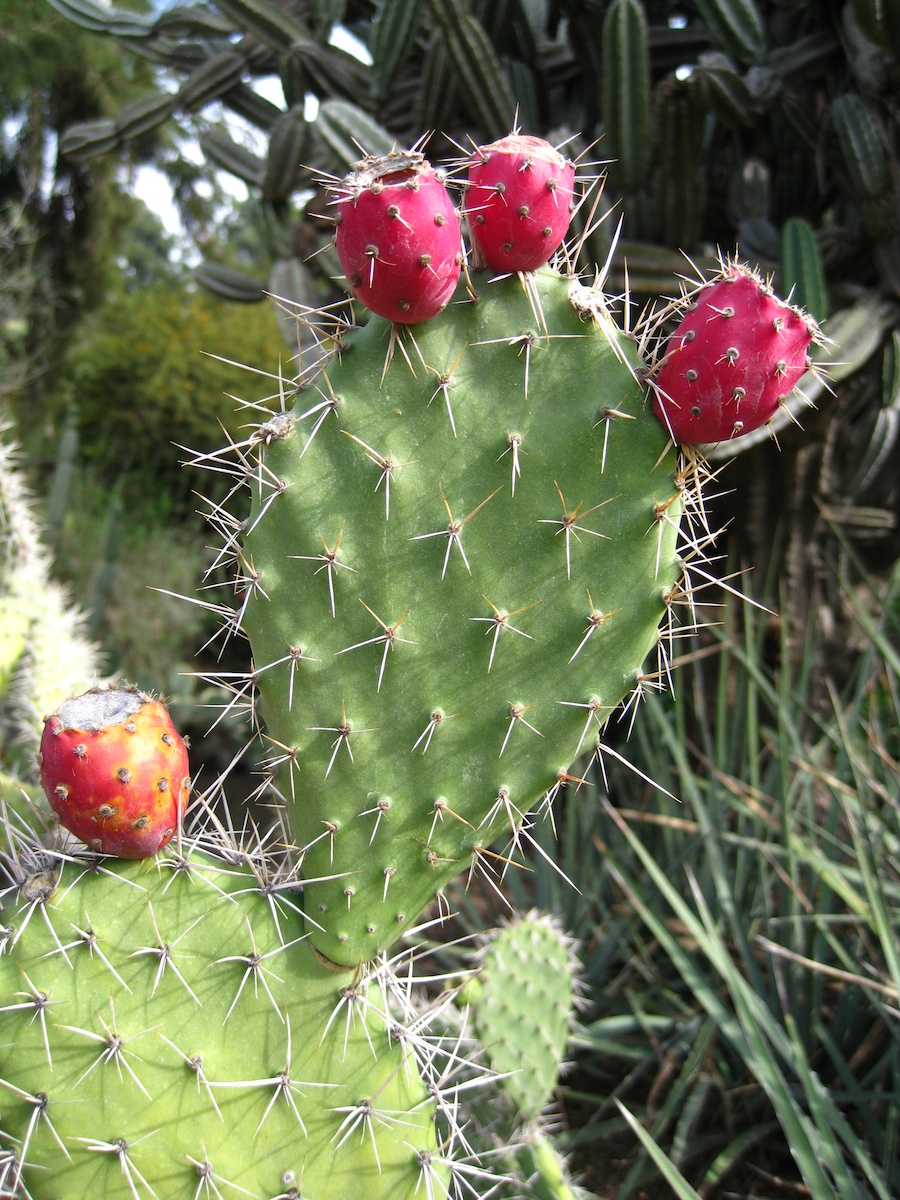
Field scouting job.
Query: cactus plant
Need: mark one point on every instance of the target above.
(177, 1035)
(740, 152)
(500, 476)
(522, 1002)
(458, 547)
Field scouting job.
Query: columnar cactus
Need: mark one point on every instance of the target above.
(459, 547)
(44, 651)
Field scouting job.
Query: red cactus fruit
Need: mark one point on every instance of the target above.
(734, 358)
(115, 771)
(398, 236)
(519, 202)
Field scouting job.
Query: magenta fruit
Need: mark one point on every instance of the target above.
(519, 202)
(734, 358)
(398, 236)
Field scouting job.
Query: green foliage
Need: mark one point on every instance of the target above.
(146, 384)
(59, 219)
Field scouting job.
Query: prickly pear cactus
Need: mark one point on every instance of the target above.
(524, 1002)
(452, 566)
(461, 547)
(176, 1035)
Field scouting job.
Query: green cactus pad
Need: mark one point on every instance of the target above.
(461, 546)
(167, 1030)
(523, 1000)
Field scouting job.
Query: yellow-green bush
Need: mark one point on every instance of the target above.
(144, 384)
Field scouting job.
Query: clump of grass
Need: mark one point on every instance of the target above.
(739, 924)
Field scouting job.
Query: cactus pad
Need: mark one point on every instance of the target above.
(175, 1035)
(524, 999)
(461, 546)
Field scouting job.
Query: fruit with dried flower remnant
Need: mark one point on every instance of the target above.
(398, 237)
(115, 771)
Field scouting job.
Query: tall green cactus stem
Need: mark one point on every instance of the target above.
(461, 546)
(176, 1035)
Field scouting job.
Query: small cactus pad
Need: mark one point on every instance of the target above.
(523, 999)
(519, 202)
(398, 236)
(453, 571)
(166, 1031)
(115, 771)
(733, 360)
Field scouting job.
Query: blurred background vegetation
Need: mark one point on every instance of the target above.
(738, 946)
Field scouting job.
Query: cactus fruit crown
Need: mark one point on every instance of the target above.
(461, 547)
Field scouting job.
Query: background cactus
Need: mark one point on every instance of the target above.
(45, 654)
(522, 1002)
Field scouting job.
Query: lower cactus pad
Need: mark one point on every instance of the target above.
(167, 1031)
